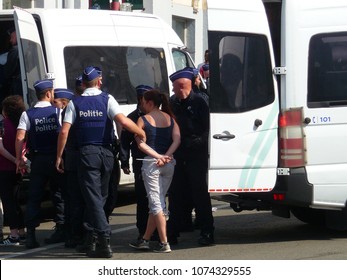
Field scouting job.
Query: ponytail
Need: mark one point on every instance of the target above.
(165, 106)
(159, 99)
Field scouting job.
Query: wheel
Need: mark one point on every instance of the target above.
(310, 216)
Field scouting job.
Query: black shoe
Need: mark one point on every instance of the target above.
(102, 250)
(31, 242)
(57, 236)
(172, 239)
(206, 239)
(89, 243)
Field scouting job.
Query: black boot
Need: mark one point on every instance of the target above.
(103, 248)
(57, 236)
(89, 243)
(31, 241)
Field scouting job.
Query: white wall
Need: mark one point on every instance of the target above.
(167, 9)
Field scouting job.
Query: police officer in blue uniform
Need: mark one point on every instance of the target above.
(127, 144)
(74, 203)
(93, 114)
(189, 185)
(41, 124)
(72, 197)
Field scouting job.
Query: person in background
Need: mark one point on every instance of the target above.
(203, 70)
(162, 140)
(93, 114)
(40, 125)
(13, 80)
(197, 87)
(189, 185)
(127, 144)
(12, 108)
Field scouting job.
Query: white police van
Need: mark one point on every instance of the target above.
(130, 48)
(278, 101)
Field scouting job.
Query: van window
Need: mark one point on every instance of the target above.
(181, 59)
(241, 76)
(327, 70)
(123, 68)
(34, 67)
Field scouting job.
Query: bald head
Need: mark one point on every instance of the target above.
(182, 88)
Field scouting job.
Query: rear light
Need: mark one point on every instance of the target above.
(278, 196)
(292, 148)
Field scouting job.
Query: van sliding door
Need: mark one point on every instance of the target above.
(244, 103)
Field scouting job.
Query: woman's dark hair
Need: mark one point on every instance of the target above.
(13, 106)
(158, 99)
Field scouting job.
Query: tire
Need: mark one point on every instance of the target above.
(310, 216)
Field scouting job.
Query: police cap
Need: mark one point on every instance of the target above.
(42, 85)
(63, 93)
(187, 73)
(90, 74)
(141, 89)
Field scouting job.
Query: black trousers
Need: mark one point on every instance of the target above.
(9, 188)
(43, 172)
(189, 189)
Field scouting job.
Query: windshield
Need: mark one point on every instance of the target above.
(123, 68)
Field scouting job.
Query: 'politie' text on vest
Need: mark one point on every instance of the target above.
(45, 124)
(91, 113)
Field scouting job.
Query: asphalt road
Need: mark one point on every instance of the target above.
(247, 235)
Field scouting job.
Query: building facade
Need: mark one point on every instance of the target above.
(187, 17)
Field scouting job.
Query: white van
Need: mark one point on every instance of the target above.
(130, 48)
(278, 101)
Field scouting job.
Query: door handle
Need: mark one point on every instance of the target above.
(224, 136)
(258, 122)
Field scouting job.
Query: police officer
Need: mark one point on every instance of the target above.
(74, 203)
(92, 114)
(127, 144)
(41, 124)
(73, 225)
(189, 184)
(112, 196)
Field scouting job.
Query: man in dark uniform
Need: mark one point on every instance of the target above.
(41, 124)
(127, 144)
(74, 203)
(93, 114)
(189, 181)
